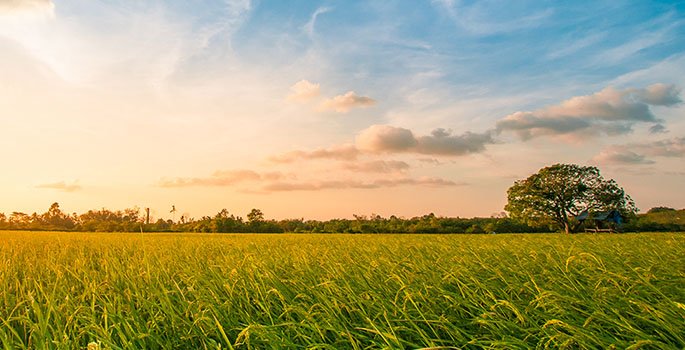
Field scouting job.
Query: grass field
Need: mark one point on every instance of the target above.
(191, 291)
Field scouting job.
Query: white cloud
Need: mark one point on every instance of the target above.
(303, 91)
(309, 27)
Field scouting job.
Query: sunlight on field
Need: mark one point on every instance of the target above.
(192, 291)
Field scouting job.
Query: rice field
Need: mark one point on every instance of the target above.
(256, 291)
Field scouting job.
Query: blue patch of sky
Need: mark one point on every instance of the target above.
(500, 44)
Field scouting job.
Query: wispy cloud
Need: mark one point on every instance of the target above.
(221, 179)
(344, 152)
(377, 166)
(344, 103)
(61, 186)
(638, 153)
(353, 184)
(617, 155)
(609, 111)
(309, 27)
(488, 18)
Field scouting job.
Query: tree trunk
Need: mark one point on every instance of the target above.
(566, 228)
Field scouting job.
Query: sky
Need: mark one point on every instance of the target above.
(325, 109)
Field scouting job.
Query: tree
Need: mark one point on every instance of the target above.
(255, 215)
(558, 193)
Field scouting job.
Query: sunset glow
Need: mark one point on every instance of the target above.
(323, 109)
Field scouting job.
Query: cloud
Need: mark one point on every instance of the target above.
(613, 155)
(637, 153)
(62, 186)
(672, 148)
(26, 6)
(303, 91)
(221, 178)
(442, 142)
(390, 139)
(309, 27)
(610, 112)
(344, 103)
(386, 138)
(658, 129)
(377, 166)
(353, 184)
(344, 152)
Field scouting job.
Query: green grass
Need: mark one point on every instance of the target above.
(191, 291)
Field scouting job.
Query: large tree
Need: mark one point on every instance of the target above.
(558, 193)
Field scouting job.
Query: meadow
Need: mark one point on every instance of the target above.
(259, 291)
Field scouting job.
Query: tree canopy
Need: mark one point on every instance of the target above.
(557, 194)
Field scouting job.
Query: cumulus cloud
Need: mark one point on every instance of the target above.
(638, 153)
(62, 186)
(344, 103)
(353, 184)
(390, 139)
(26, 6)
(386, 138)
(610, 112)
(377, 166)
(222, 178)
(303, 91)
(344, 152)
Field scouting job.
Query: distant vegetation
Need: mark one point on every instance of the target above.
(132, 220)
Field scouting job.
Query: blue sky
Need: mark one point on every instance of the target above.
(390, 107)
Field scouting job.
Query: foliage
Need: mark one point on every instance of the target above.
(660, 210)
(558, 193)
(180, 291)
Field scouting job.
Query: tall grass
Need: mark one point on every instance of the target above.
(126, 291)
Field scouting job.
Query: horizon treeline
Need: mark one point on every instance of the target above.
(133, 220)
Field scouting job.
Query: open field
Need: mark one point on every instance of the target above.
(65, 290)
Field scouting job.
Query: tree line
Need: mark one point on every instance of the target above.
(133, 220)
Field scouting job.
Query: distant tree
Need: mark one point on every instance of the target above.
(255, 215)
(558, 193)
(660, 210)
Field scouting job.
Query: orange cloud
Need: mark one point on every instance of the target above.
(344, 152)
(377, 166)
(221, 178)
(353, 184)
(344, 103)
(61, 185)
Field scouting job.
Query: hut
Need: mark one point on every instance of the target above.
(602, 221)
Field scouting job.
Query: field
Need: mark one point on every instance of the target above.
(191, 291)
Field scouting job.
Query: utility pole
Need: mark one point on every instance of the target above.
(147, 216)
